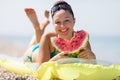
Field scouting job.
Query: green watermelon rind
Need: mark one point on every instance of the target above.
(75, 52)
(84, 44)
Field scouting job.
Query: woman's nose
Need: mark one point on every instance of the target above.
(63, 24)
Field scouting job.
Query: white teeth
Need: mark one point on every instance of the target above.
(64, 30)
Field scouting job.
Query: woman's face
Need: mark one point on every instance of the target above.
(63, 22)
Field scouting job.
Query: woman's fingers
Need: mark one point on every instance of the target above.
(86, 55)
(63, 54)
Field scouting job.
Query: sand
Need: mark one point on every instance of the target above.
(12, 49)
(5, 75)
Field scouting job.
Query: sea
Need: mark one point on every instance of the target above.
(106, 48)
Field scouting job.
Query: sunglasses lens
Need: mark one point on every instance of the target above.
(54, 9)
(64, 7)
(58, 7)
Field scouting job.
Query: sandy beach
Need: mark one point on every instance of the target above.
(10, 49)
(6, 75)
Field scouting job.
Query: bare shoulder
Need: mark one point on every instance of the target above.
(46, 37)
(50, 34)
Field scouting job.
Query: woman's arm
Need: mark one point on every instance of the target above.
(44, 50)
(59, 56)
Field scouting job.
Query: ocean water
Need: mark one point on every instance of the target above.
(106, 48)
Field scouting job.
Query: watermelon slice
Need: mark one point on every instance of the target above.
(73, 46)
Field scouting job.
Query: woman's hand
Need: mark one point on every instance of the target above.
(86, 54)
(59, 56)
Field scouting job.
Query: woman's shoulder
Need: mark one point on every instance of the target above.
(50, 34)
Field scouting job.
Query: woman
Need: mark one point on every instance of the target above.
(63, 22)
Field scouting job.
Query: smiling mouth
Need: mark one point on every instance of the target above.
(64, 30)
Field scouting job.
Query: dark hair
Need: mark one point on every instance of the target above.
(61, 5)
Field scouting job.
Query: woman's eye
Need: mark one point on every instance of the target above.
(57, 23)
(67, 20)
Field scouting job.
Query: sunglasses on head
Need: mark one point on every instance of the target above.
(58, 7)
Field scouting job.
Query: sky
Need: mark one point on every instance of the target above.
(98, 17)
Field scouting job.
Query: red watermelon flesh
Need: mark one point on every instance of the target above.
(73, 46)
